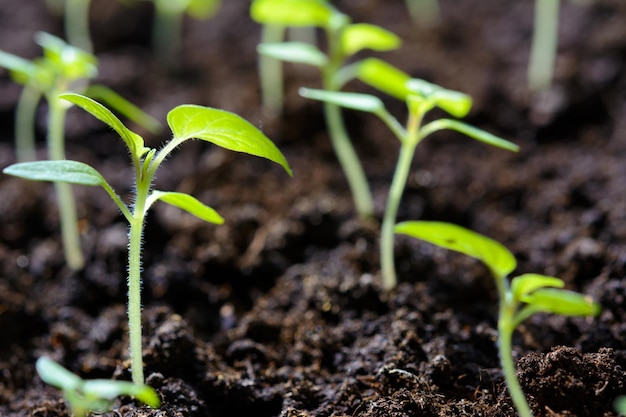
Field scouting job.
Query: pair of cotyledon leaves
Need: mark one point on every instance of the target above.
(219, 127)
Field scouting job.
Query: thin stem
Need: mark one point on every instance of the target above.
(505, 335)
(544, 44)
(134, 281)
(425, 12)
(271, 72)
(407, 150)
(25, 122)
(65, 198)
(167, 34)
(340, 140)
(77, 24)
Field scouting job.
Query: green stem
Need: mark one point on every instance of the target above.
(271, 72)
(134, 282)
(544, 44)
(77, 24)
(425, 12)
(25, 122)
(388, 269)
(167, 35)
(505, 335)
(65, 197)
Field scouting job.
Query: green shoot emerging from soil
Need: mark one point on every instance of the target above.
(343, 41)
(95, 395)
(186, 122)
(526, 295)
(62, 68)
(421, 97)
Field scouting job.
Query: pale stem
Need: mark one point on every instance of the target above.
(544, 44)
(388, 269)
(167, 35)
(77, 24)
(25, 122)
(271, 72)
(425, 12)
(65, 198)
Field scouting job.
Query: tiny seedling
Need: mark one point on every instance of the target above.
(421, 97)
(343, 40)
(62, 68)
(187, 122)
(94, 395)
(526, 295)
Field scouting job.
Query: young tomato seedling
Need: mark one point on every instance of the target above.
(186, 122)
(421, 97)
(62, 68)
(95, 395)
(526, 295)
(343, 40)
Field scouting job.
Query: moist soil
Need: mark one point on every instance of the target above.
(280, 311)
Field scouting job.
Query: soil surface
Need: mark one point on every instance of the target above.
(280, 311)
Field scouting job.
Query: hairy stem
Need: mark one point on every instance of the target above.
(25, 121)
(65, 197)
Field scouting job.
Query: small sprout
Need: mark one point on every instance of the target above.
(62, 68)
(343, 39)
(95, 395)
(421, 97)
(526, 295)
(186, 122)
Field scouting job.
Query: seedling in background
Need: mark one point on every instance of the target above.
(421, 97)
(62, 68)
(527, 294)
(544, 44)
(95, 395)
(186, 122)
(343, 41)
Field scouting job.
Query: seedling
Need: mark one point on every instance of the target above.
(421, 97)
(186, 122)
(343, 40)
(62, 68)
(95, 395)
(526, 295)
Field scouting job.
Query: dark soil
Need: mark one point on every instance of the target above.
(280, 312)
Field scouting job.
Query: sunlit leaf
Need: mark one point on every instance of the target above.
(470, 131)
(295, 52)
(360, 36)
(54, 374)
(450, 236)
(20, 69)
(97, 110)
(190, 204)
(384, 77)
(563, 302)
(110, 389)
(291, 12)
(527, 283)
(224, 129)
(72, 172)
(355, 101)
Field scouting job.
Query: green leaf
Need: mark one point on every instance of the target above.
(471, 131)
(291, 12)
(133, 141)
(188, 203)
(355, 101)
(224, 129)
(494, 255)
(527, 283)
(456, 103)
(20, 68)
(54, 374)
(71, 172)
(295, 52)
(70, 62)
(562, 302)
(203, 9)
(360, 36)
(384, 77)
(109, 389)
